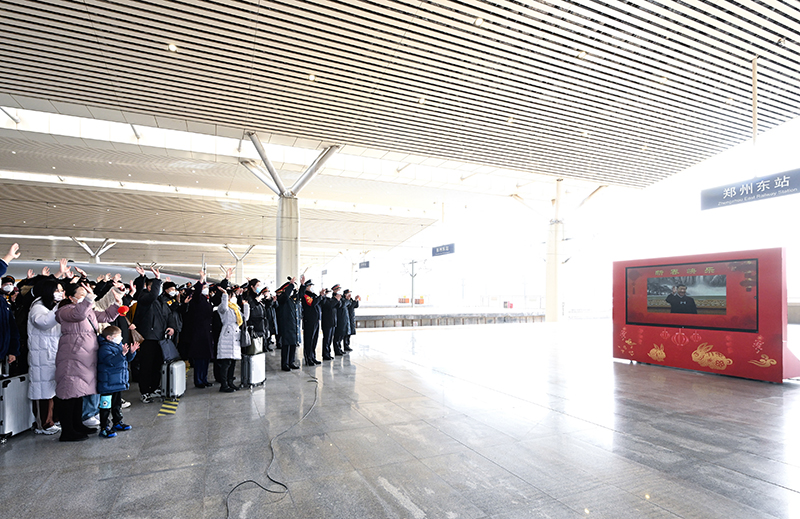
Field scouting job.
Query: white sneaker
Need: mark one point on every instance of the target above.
(49, 430)
(157, 393)
(125, 404)
(94, 421)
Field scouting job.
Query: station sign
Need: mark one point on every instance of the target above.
(762, 188)
(363, 265)
(441, 250)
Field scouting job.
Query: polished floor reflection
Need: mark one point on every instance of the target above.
(495, 421)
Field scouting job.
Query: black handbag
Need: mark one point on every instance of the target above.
(168, 349)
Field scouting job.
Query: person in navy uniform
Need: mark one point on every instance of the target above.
(680, 303)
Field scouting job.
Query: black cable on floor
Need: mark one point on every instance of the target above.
(285, 489)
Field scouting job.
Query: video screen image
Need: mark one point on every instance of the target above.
(712, 295)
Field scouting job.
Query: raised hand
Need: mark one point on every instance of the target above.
(31, 273)
(133, 288)
(156, 272)
(117, 277)
(64, 267)
(140, 270)
(202, 276)
(228, 273)
(89, 291)
(167, 279)
(80, 271)
(13, 253)
(46, 271)
(107, 277)
(99, 279)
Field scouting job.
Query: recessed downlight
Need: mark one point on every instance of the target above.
(172, 47)
(582, 54)
(422, 100)
(662, 79)
(312, 77)
(477, 22)
(510, 120)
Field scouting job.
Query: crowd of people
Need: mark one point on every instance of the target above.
(83, 340)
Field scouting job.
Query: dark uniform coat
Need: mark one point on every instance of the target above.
(197, 326)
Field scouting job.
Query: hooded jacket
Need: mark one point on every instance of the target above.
(112, 367)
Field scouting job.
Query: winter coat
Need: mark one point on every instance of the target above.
(112, 367)
(151, 316)
(9, 333)
(289, 317)
(329, 306)
(257, 322)
(229, 344)
(197, 325)
(312, 312)
(271, 306)
(43, 335)
(76, 360)
(173, 309)
(351, 310)
(343, 317)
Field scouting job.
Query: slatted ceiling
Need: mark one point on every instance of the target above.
(99, 214)
(374, 60)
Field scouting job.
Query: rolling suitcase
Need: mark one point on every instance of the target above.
(254, 369)
(173, 379)
(16, 413)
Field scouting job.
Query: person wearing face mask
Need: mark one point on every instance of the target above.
(9, 333)
(257, 324)
(229, 348)
(112, 378)
(43, 335)
(197, 332)
(76, 360)
(171, 301)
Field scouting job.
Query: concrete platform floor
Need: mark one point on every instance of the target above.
(500, 421)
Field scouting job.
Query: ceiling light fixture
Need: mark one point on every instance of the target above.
(582, 54)
(478, 22)
(585, 133)
(312, 77)
(510, 120)
(422, 100)
(172, 47)
(662, 80)
(729, 101)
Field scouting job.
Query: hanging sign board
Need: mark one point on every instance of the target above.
(324, 272)
(781, 184)
(444, 249)
(363, 265)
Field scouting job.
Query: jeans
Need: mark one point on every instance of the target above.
(90, 406)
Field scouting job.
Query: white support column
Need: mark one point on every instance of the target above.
(287, 254)
(554, 238)
(239, 272)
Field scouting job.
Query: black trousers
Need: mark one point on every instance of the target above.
(288, 355)
(69, 411)
(200, 371)
(327, 337)
(115, 410)
(337, 343)
(346, 343)
(150, 360)
(310, 337)
(227, 367)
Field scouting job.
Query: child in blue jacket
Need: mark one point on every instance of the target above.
(112, 378)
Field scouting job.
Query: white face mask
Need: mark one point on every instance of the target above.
(205, 291)
(80, 300)
(233, 299)
(172, 293)
(58, 296)
(117, 339)
(8, 288)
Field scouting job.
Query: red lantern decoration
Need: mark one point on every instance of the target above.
(680, 339)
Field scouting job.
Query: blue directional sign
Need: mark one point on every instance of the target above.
(780, 184)
(444, 249)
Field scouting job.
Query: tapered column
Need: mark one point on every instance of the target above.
(554, 238)
(288, 246)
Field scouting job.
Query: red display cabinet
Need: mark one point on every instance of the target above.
(721, 313)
